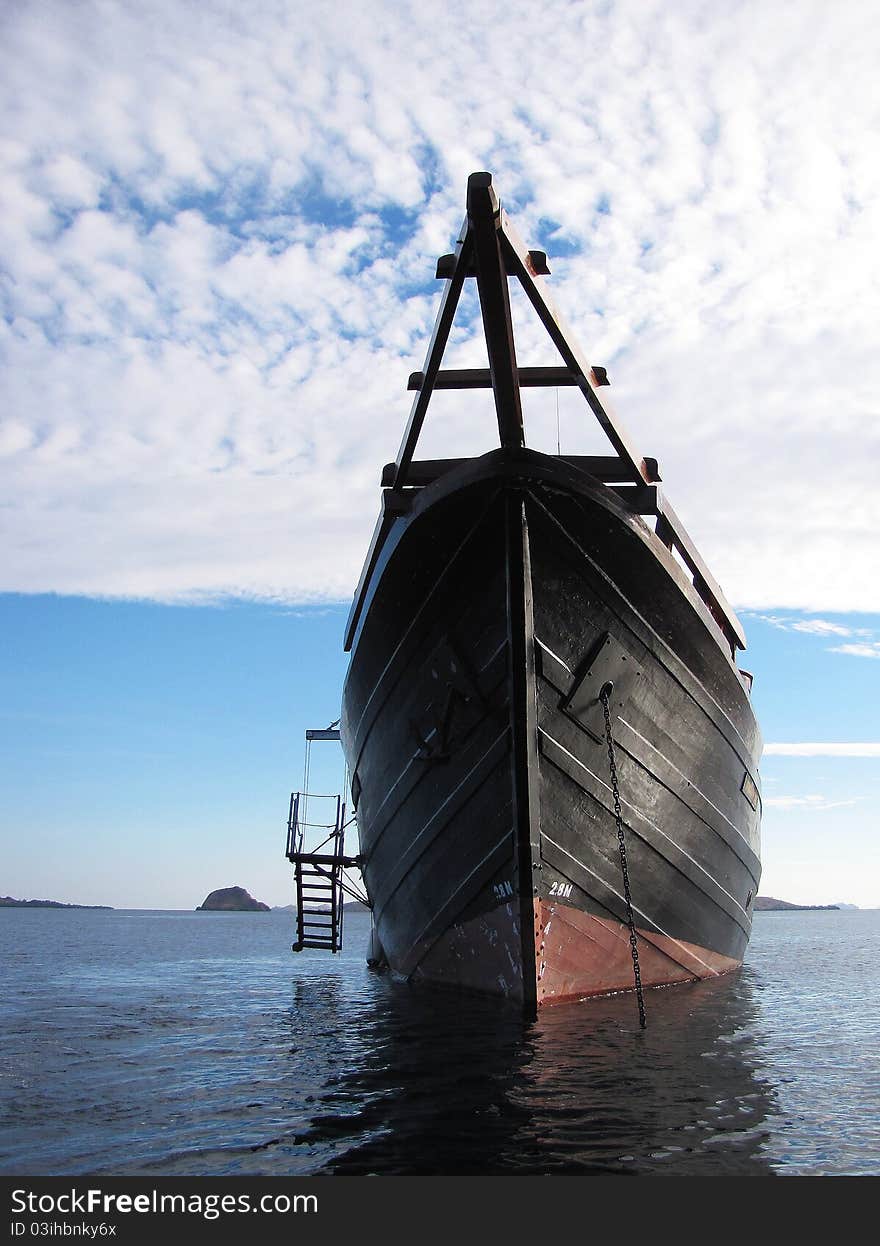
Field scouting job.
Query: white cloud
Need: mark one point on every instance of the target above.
(868, 650)
(805, 804)
(864, 648)
(856, 749)
(816, 627)
(218, 237)
(821, 627)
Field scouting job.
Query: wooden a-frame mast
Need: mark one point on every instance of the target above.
(489, 249)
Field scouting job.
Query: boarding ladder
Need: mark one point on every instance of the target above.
(316, 826)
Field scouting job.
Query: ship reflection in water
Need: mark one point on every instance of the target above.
(180, 1044)
(443, 1088)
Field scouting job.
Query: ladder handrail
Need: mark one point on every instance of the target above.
(320, 909)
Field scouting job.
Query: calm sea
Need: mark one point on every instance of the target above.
(196, 1043)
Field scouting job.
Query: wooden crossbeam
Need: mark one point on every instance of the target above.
(421, 471)
(609, 467)
(641, 499)
(605, 467)
(481, 378)
(446, 265)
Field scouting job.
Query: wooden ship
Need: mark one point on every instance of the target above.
(553, 754)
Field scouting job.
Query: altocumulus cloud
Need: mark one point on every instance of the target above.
(218, 233)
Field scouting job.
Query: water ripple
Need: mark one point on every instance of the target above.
(197, 1044)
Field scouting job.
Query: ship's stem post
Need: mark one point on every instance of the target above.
(484, 217)
(523, 705)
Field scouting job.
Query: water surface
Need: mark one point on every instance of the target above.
(197, 1043)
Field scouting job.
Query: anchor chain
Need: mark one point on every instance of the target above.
(618, 817)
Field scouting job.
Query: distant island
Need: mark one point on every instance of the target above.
(232, 900)
(7, 902)
(349, 906)
(766, 904)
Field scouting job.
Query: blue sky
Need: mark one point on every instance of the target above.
(217, 241)
(149, 750)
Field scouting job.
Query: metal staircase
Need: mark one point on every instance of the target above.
(316, 849)
(317, 873)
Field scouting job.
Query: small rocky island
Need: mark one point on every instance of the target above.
(232, 900)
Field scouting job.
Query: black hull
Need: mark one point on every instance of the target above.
(480, 772)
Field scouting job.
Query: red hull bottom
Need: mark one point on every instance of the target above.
(576, 954)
